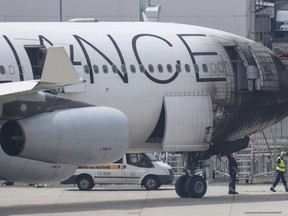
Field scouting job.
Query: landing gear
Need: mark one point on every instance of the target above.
(180, 186)
(196, 186)
(190, 184)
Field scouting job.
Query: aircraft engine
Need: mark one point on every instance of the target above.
(91, 135)
(31, 171)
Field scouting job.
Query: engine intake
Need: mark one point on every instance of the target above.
(90, 135)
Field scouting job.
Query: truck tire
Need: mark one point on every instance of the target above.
(85, 183)
(151, 183)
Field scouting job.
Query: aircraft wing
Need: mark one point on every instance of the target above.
(58, 71)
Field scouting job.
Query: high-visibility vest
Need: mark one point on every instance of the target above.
(281, 166)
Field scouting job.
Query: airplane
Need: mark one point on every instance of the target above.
(79, 93)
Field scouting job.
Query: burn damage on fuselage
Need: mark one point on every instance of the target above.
(256, 100)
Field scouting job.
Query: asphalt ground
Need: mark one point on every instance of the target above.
(136, 201)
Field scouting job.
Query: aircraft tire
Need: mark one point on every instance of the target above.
(196, 186)
(180, 186)
(85, 182)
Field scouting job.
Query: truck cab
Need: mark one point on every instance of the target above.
(133, 168)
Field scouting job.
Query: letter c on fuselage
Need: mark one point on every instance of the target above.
(135, 50)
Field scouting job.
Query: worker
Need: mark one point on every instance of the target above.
(233, 168)
(280, 169)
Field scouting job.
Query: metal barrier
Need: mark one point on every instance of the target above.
(215, 169)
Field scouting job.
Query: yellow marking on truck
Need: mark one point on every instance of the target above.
(108, 166)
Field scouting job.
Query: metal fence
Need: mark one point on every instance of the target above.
(261, 169)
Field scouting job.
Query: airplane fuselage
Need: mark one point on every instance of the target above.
(147, 62)
(153, 86)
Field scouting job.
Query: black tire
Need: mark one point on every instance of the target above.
(196, 186)
(85, 183)
(151, 182)
(8, 183)
(180, 186)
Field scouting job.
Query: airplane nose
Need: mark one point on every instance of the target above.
(260, 95)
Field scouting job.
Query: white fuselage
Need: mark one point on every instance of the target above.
(161, 86)
(164, 47)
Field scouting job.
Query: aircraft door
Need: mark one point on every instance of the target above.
(268, 80)
(239, 65)
(37, 55)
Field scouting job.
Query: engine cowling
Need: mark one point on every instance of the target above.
(31, 171)
(90, 135)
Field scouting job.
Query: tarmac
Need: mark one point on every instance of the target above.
(135, 201)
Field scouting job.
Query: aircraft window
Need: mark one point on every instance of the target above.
(105, 68)
(178, 68)
(187, 68)
(11, 69)
(196, 68)
(213, 68)
(151, 68)
(142, 68)
(23, 69)
(114, 68)
(205, 68)
(2, 69)
(160, 68)
(95, 68)
(169, 68)
(123, 68)
(86, 69)
(220, 68)
(132, 68)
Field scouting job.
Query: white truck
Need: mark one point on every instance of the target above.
(134, 168)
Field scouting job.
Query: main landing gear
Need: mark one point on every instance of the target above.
(191, 184)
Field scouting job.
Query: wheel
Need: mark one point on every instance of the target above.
(151, 183)
(8, 183)
(196, 186)
(85, 183)
(180, 186)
